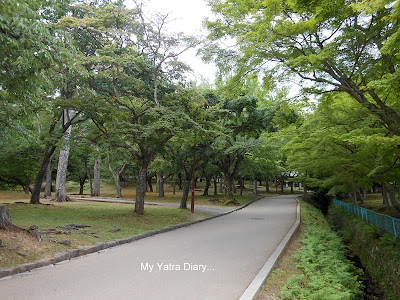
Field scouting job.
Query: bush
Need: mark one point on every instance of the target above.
(326, 273)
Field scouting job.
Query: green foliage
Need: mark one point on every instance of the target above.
(30, 48)
(340, 45)
(378, 251)
(341, 147)
(18, 155)
(326, 273)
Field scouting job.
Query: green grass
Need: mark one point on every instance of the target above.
(20, 248)
(129, 192)
(100, 216)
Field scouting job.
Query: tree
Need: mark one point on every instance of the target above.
(34, 50)
(116, 172)
(163, 169)
(30, 47)
(331, 44)
(334, 151)
(18, 155)
(61, 192)
(243, 122)
(134, 85)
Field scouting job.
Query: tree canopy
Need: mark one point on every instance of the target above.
(114, 74)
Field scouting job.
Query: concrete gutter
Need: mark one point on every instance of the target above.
(61, 257)
(255, 286)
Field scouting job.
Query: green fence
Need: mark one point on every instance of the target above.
(385, 222)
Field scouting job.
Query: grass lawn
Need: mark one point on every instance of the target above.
(18, 248)
(129, 192)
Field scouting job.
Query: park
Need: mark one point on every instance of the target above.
(278, 178)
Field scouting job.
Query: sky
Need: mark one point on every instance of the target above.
(187, 16)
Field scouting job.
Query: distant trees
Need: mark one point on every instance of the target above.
(346, 46)
(343, 148)
(131, 64)
(345, 54)
(86, 85)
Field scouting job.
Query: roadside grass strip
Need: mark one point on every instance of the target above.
(326, 273)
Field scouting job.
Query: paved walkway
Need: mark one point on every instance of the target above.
(216, 259)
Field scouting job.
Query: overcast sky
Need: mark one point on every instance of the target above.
(187, 16)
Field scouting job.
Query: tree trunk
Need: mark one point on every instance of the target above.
(5, 220)
(208, 184)
(234, 186)
(185, 194)
(81, 185)
(255, 188)
(241, 184)
(267, 186)
(161, 179)
(304, 191)
(117, 183)
(61, 180)
(150, 183)
(291, 187)
(141, 186)
(282, 183)
(228, 187)
(49, 174)
(96, 172)
(158, 183)
(35, 197)
(90, 179)
(180, 183)
(116, 177)
(385, 198)
(215, 187)
(392, 195)
(26, 186)
(350, 196)
(221, 185)
(7, 224)
(359, 198)
(174, 185)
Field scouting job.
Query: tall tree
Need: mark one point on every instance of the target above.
(131, 63)
(61, 179)
(334, 45)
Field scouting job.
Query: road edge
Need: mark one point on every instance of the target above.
(255, 286)
(61, 257)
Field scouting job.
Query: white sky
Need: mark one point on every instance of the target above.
(187, 16)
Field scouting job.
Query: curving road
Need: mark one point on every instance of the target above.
(216, 259)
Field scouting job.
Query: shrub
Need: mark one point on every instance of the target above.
(326, 273)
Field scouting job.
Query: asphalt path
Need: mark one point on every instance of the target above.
(215, 259)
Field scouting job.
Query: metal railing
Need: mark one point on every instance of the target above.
(384, 222)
